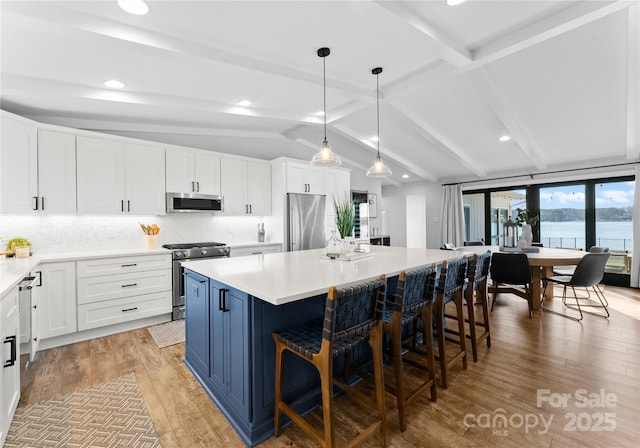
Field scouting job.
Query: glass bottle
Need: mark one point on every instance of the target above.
(333, 246)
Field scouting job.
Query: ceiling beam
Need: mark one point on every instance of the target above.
(387, 153)
(568, 19)
(573, 16)
(443, 143)
(633, 83)
(52, 18)
(450, 50)
(486, 83)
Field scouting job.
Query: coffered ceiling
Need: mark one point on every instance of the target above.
(561, 78)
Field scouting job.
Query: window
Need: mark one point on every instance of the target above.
(562, 217)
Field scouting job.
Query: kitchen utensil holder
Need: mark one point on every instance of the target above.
(151, 241)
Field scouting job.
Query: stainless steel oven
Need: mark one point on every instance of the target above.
(188, 252)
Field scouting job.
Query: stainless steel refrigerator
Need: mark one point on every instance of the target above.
(305, 221)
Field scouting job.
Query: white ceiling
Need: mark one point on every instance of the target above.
(561, 77)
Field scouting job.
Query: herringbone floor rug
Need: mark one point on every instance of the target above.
(168, 334)
(111, 414)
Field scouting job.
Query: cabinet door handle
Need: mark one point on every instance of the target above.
(222, 300)
(35, 203)
(250, 209)
(122, 205)
(13, 341)
(129, 285)
(128, 205)
(129, 309)
(128, 265)
(193, 186)
(198, 186)
(42, 202)
(39, 278)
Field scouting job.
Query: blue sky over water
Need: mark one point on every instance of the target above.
(618, 194)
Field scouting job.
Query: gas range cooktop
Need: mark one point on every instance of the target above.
(191, 245)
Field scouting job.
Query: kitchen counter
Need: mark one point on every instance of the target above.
(242, 244)
(234, 304)
(285, 277)
(13, 270)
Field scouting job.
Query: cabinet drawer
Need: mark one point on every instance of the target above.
(111, 312)
(121, 265)
(254, 250)
(9, 308)
(107, 287)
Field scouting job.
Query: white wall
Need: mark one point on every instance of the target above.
(416, 213)
(394, 201)
(56, 234)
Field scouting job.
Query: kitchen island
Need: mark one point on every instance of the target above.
(234, 304)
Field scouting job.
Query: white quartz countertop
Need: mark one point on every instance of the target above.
(240, 244)
(13, 270)
(285, 277)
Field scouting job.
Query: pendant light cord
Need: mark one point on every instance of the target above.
(378, 109)
(324, 90)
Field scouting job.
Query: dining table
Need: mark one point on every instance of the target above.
(541, 262)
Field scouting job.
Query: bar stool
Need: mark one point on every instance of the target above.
(412, 302)
(352, 316)
(449, 289)
(476, 284)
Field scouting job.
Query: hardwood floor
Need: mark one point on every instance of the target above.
(529, 358)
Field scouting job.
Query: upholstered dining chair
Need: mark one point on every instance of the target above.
(588, 274)
(352, 317)
(411, 303)
(449, 289)
(511, 269)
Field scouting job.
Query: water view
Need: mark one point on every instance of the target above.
(614, 235)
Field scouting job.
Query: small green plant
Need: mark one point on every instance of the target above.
(524, 218)
(345, 216)
(17, 242)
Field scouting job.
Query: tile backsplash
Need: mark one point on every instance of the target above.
(53, 234)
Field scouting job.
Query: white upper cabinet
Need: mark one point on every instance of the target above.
(192, 171)
(245, 186)
(337, 184)
(56, 172)
(118, 178)
(303, 178)
(18, 166)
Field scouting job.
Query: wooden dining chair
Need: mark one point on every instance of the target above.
(352, 317)
(411, 304)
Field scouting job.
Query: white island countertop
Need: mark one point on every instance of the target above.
(285, 277)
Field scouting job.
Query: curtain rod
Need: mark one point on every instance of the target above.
(530, 176)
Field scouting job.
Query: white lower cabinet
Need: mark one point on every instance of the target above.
(10, 360)
(57, 299)
(117, 290)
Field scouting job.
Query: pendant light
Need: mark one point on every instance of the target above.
(378, 169)
(325, 157)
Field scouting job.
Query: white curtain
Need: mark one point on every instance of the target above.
(452, 215)
(635, 265)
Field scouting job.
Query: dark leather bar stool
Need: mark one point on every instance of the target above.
(412, 303)
(476, 288)
(352, 316)
(449, 288)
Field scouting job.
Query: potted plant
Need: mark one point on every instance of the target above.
(20, 247)
(345, 216)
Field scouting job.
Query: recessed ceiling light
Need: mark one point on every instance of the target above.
(114, 84)
(320, 113)
(405, 176)
(244, 103)
(455, 2)
(137, 7)
(374, 138)
(504, 138)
